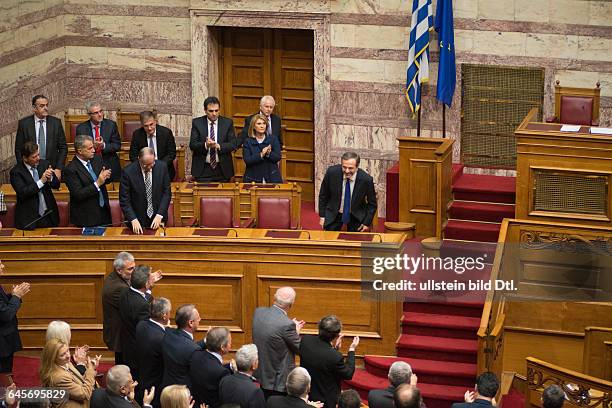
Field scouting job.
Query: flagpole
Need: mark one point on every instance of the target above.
(419, 114)
(443, 120)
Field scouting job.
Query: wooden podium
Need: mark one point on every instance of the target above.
(563, 176)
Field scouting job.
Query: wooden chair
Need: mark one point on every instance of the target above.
(276, 208)
(576, 106)
(70, 124)
(217, 206)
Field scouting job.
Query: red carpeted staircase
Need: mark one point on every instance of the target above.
(439, 339)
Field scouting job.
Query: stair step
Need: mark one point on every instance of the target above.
(470, 309)
(457, 172)
(428, 371)
(474, 249)
(428, 324)
(437, 348)
(434, 395)
(472, 231)
(474, 211)
(477, 187)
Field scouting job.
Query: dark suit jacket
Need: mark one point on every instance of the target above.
(276, 129)
(133, 308)
(206, 371)
(85, 210)
(113, 288)
(363, 198)
(166, 146)
(26, 190)
(240, 389)
(149, 338)
(381, 398)
(258, 168)
(104, 398)
(9, 335)
(478, 403)
(133, 198)
(177, 351)
(277, 344)
(287, 401)
(112, 144)
(327, 368)
(226, 137)
(57, 149)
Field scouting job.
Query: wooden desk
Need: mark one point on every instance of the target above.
(226, 275)
(563, 176)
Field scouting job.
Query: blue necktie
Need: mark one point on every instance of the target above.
(346, 209)
(42, 205)
(94, 177)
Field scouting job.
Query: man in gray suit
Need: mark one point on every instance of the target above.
(278, 340)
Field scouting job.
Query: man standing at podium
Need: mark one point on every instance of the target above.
(32, 179)
(347, 196)
(86, 178)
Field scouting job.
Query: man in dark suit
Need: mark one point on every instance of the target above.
(553, 396)
(9, 333)
(157, 137)
(212, 141)
(407, 396)
(86, 178)
(240, 388)
(134, 306)
(144, 193)
(119, 391)
(51, 141)
(400, 372)
(105, 134)
(207, 369)
(298, 387)
(149, 337)
(117, 282)
(178, 346)
(32, 179)
(278, 340)
(487, 386)
(347, 196)
(320, 356)
(266, 107)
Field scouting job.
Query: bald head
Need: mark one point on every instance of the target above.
(146, 158)
(284, 297)
(407, 396)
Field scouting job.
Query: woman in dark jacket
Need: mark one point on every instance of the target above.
(261, 153)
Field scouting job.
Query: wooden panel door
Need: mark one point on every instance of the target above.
(257, 62)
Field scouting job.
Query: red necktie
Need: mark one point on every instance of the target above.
(99, 140)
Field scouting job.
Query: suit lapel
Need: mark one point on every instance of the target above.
(355, 188)
(50, 135)
(31, 128)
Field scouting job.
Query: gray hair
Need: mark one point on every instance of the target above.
(79, 141)
(146, 151)
(117, 377)
(284, 297)
(60, 330)
(216, 338)
(91, 104)
(121, 259)
(399, 373)
(183, 315)
(246, 357)
(298, 382)
(267, 98)
(159, 306)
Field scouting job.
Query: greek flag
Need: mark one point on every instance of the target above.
(418, 53)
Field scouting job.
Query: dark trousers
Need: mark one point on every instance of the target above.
(6, 364)
(271, 393)
(118, 358)
(336, 225)
(211, 175)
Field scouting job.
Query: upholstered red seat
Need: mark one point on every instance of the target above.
(217, 212)
(576, 110)
(274, 213)
(8, 218)
(64, 213)
(177, 176)
(128, 128)
(116, 213)
(72, 135)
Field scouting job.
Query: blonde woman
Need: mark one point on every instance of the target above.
(261, 153)
(60, 330)
(57, 371)
(177, 396)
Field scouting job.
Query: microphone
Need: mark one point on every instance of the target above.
(49, 211)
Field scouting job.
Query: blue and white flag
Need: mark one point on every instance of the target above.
(446, 37)
(418, 52)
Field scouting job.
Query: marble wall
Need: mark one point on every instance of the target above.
(132, 56)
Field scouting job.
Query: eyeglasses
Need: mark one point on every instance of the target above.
(96, 112)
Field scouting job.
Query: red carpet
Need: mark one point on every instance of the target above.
(25, 371)
(439, 338)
